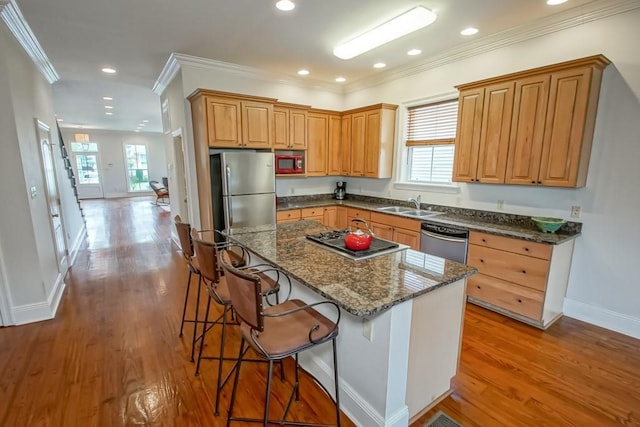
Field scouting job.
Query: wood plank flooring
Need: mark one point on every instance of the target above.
(112, 356)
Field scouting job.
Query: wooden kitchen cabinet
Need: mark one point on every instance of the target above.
(358, 130)
(257, 124)
(290, 215)
(519, 278)
(330, 217)
(290, 127)
(223, 118)
(372, 140)
(312, 214)
(395, 228)
(335, 151)
(342, 221)
(550, 127)
(345, 145)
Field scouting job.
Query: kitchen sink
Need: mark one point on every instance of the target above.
(396, 209)
(421, 214)
(415, 213)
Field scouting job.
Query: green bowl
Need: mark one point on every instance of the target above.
(548, 225)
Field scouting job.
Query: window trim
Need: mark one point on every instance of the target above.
(126, 169)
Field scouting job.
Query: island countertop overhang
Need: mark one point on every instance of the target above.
(364, 287)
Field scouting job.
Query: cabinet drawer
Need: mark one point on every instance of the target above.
(517, 299)
(319, 218)
(307, 212)
(290, 215)
(358, 213)
(396, 221)
(518, 246)
(520, 269)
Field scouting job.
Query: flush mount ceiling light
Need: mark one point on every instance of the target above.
(145, 121)
(469, 31)
(285, 5)
(341, 79)
(303, 72)
(379, 65)
(414, 52)
(555, 2)
(399, 26)
(109, 113)
(108, 70)
(107, 98)
(108, 107)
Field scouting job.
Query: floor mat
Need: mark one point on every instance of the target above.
(440, 419)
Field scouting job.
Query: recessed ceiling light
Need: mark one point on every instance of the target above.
(145, 121)
(137, 130)
(341, 79)
(60, 120)
(469, 31)
(555, 2)
(415, 19)
(414, 52)
(109, 113)
(108, 70)
(141, 125)
(107, 98)
(303, 72)
(379, 65)
(108, 107)
(285, 5)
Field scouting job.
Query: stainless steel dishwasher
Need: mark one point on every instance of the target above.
(444, 241)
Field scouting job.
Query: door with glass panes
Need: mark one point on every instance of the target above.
(85, 159)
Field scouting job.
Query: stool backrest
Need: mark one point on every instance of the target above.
(245, 292)
(183, 229)
(207, 256)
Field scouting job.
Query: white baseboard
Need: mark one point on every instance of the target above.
(602, 317)
(39, 311)
(73, 253)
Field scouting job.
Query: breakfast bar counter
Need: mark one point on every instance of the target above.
(401, 324)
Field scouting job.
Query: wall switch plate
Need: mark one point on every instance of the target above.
(367, 329)
(500, 204)
(34, 192)
(575, 211)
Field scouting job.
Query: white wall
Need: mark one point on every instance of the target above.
(26, 244)
(112, 163)
(603, 286)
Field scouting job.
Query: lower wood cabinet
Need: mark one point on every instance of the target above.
(288, 216)
(312, 214)
(519, 278)
(397, 229)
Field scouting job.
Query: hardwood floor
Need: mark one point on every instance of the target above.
(112, 355)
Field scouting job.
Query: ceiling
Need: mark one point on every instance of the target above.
(80, 37)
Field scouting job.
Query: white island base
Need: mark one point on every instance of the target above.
(395, 366)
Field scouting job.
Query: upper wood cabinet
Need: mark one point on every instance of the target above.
(345, 144)
(335, 149)
(372, 140)
(533, 128)
(290, 127)
(317, 143)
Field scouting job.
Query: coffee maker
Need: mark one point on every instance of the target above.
(341, 190)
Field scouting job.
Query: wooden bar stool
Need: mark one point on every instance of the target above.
(206, 255)
(275, 333)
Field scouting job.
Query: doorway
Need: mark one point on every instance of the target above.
(180, 174)
(85, 160)
(53, 198)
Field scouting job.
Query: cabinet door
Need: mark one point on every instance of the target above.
(280, 128)
(334, 153)
(341, 218)
(317, 141)
(372, 143)
(357, 144)
(297, 129)
(331, 217)
(494, 135)
(407, 237)
(569, 98)
(468, 134)
(345, 145)
(223, 122)
(288, 216)
(257, 124)
(527, 129)
(382, 231)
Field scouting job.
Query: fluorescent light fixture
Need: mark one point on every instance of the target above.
(555, 2)
(469, 31)
(379, 65)
(414, 52)
(303, 72)
(285, 5)
(108, 70)
(341, 79)
(399, 26)
(107, 98)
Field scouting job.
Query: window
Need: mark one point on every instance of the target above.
(431, 132)
(137, 167)
(86, 161)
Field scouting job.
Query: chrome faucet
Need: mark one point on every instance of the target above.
(416, 201)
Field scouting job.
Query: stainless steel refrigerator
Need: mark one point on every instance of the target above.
(243, 187)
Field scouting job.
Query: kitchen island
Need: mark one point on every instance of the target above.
(401, 324)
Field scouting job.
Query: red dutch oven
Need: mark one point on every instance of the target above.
(358, 240)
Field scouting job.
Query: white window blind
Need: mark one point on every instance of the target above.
(431, 132)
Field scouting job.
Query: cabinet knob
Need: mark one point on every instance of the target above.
(526, 249)
(533, 182)
(481, 260)
(524, 271)
(478, 286)
(539, 182)
(519, 300)
(484, 240)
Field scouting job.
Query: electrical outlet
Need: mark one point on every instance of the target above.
(34, 192)
(575, 211)
(367, 329)
(458, 201)
(500, 204)
(293, 190)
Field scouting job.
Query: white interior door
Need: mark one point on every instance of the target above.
(53, 199)
(86, 166)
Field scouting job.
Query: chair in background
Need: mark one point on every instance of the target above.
(162, 193)
(275, 333)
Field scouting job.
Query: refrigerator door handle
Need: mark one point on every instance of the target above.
(229, 212)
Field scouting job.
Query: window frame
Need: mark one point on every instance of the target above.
(126, 166)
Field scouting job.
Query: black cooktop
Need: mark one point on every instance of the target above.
(335, 240)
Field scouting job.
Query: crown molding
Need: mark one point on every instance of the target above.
(178, 60)
(12, 17)
(571, 18)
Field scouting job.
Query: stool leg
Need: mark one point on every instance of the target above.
(297, 382)
(222, 339)
(268, 396)
(195, 321)
(204, 333)
(186, 299)
(335, 377)
(235, 384)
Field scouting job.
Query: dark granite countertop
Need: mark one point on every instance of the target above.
(364, 287)
(516, 226)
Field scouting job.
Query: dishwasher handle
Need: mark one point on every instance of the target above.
(445, 238)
